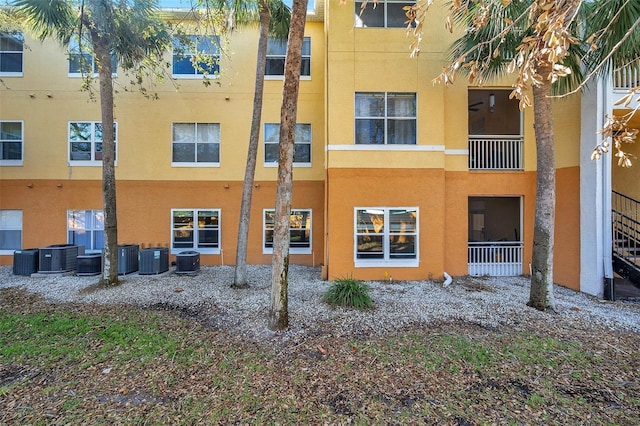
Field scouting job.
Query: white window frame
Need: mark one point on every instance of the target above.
(194, 228)
(299, 143)
(96, 226)
(191, 51)
(385, 118)
(74, 51)
(20, 37)
(381, 7)
(11, 220)
(386, 260)
(92, 161)
(292, 249)
(195, 142)
(10, 162)
(281, 57)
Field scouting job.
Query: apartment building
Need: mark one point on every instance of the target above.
(393, 176)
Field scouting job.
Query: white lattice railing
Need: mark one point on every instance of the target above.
(627, 77)
(490, 152)
(495, 259)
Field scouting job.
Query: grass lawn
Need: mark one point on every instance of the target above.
(86, 364)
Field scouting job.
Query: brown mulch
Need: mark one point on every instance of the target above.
(323, 379)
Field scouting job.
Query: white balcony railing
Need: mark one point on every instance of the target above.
(627, 77)
(495, 259)
(491, 152)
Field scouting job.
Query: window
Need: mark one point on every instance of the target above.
(299, 231)
(196, 144)
(384, 14)
(385, 118)
(86, 228)
(85, 142)
(10, 231)
(11, 49)
(276, 54)
(195, 56)
(83, 62)
(302, 144)
(386, 236)
(193, 229)
(11, 143)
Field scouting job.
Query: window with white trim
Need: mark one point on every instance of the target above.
(299, 231)
(11, 54)
(195, 229)
(386, 236)
(11, 143)
(85, 143)
(276, 55)
(196, 56)
(10, 231)
(302, 145)
(382, 14)
(195, 144)
(385, 118)
(86, 228)
(82, 61)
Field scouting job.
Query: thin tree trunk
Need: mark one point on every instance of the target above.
(541, 293)
(279, 311)
(240, 279)
(103, 57)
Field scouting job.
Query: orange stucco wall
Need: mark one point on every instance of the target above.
(144, 212)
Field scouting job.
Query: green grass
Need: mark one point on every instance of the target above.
(191, 374)
(350, 293)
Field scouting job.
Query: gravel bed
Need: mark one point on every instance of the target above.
(487, 302)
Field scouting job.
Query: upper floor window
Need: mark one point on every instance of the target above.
(383, 14)
(11, 50)
(302, 144)
(11, 143)
(196, 144)
(385, 118)
(277, 52)
(83, 62)
(85, 142)
(196, 56)
(86, 228)
(299, 231)
(10, 231)
(386, 236)
(195, 229)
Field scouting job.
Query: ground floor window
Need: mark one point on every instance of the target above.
(195, 229)
(86, 228)
(386, 236)
(10, 231)
(299, 231)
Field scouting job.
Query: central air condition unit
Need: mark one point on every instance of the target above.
(154, 260)
(59, 258)
(128, 258)
(187, 262)
(89, 264)
(25, 262)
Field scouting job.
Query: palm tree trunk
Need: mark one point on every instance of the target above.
(279, 313)
(240, 279)
(541, 292)
(103, 58)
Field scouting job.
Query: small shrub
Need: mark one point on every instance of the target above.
(349, 293)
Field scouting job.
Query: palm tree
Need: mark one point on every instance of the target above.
(128, 29)
(279, 311)
(279, 28)
(516, 37)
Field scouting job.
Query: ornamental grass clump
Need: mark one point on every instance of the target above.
(349, 293)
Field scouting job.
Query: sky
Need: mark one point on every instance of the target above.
(187, 3)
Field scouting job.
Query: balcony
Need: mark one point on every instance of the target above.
(624, 79)
(495, 259)
(495, 152)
